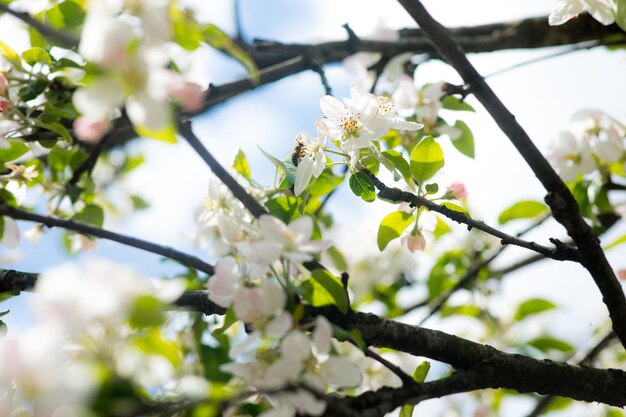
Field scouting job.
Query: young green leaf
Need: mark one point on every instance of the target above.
(92, 214)
(419, 376)
(533, 306)
(453, 103)
(392, 226)
(333, 286)
(240, 164)
(426, 159)
(527, 209)
(362, 186)
(455, 207)
(399, 162)
(546, 344)
(465, 142)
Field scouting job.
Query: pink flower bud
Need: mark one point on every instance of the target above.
(4, 105)
(190, 95)
(90, 130)
(458, 191)
(4, 84)
(414, 242)
(621, 274)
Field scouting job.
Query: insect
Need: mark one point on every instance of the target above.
(298, 151)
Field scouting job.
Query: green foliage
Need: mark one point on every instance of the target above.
(362, 186)
(620, 16)
(453, 103)
(215, 37)
(392, 226)
(284, 207)
(66, 15)
(419, 376)
(333, 287)
(399, 163)
(11, 150)
(532, 306)
(527, 209)
(465, 142)
(240, 164)
(426, 159)
(287, 167)
(546, 344)
(91, 214)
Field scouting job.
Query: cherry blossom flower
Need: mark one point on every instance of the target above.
(570, 155)
(601, 10)
(225, 282)
(10, 233)
(4, 105)
(360, 119)
(414, 242)
(312, 159)
(91, 130)
(291, 242)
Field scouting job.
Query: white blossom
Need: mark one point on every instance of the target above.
(312, 161)
(601, 10)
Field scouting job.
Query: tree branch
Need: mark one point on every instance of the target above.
(166, 251)
(561, 252)
(559, 198)
(65, 39)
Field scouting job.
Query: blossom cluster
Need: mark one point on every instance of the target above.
(86, 333)
(596, 142)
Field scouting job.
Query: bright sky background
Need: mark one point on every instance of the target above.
(543, 96)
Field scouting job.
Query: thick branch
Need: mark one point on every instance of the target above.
(495, 369)
(166, 251)
(562, 203)
(522, 34)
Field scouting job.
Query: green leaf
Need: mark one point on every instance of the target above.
(166, 134)
(213, 358)
(620, 16)
(139, 203)
(431, 188)
(419, 376)
(561, 403)
(421, 372)
(392, 226)
(91, 214)
(289, 169)
(337, 258)
(32, 91)
(229, 320)
(455, 207)
(187, 32)
(10, 55)
(453, 103)
(462, 310)
(545, 344)
(465, 142)
(34, 56)
(4, 313)
(215, 37)
(362, 186)
(284, 207)
(12, 149)
(333, 286)
(426, 159)
(527, 209)
(615, 243)
(240, 164)
(441, 228)
(146, 311)
(57, 128)
(399, 162)
(533, 306)
(65, 15)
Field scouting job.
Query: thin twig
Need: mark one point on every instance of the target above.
(65, 39)
(166, 251)
(560, 252)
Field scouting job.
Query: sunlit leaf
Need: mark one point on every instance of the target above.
(527, 209)
(533, 306)
(465, 142)
(362, 186)
(392, 226)
(426, 159)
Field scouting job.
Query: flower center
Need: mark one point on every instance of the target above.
(351, 125)
(384, 104)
